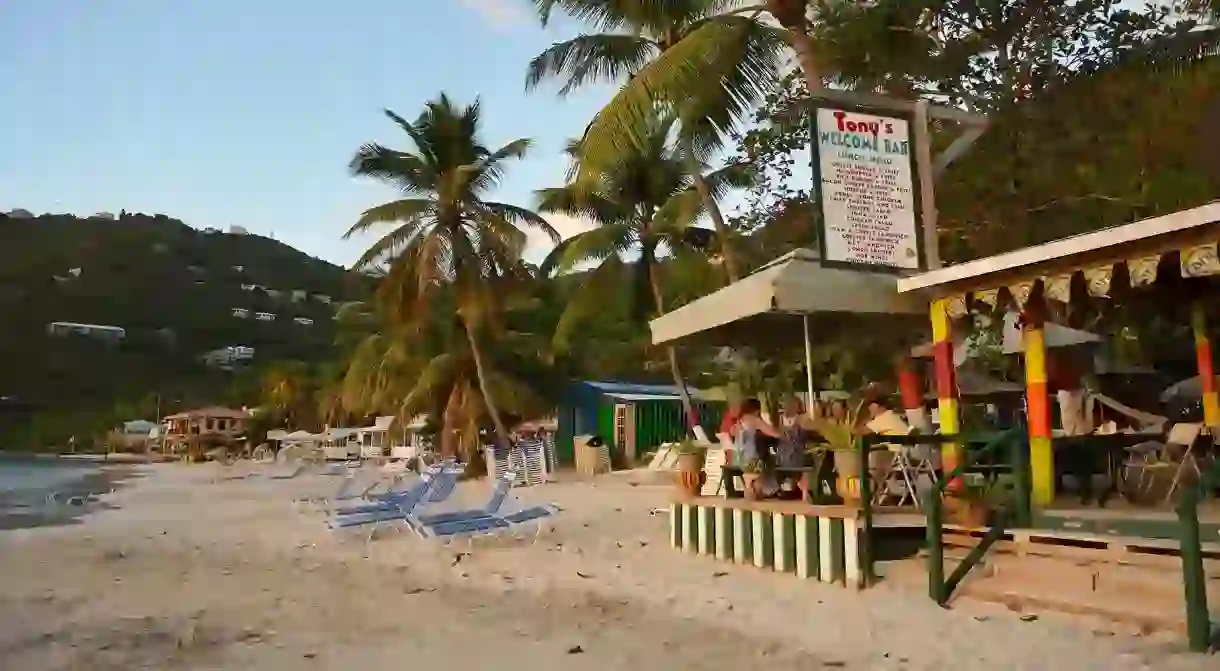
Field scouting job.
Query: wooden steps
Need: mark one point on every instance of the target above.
(1131, 580)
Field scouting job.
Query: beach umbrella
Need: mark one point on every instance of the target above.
(792, 301)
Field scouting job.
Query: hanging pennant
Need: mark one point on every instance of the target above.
(1021, 293)
(1058, 288)
(1143, 270)
(1200, 261)
(957, 306)
(990, 296)
(1098, 280)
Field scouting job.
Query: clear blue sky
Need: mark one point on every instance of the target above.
(222, 112)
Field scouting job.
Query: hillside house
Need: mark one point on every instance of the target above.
(238, 230)
(99, 331)
(241, 313)
(299, 295)
(213, 421)
(265, 316)
(303, 321)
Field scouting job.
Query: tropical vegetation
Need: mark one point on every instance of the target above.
(689, 178)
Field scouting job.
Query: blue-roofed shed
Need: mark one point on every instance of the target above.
(632, 418)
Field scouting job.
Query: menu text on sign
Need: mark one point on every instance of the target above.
(867, 192)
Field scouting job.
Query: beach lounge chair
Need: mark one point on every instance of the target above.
(390, 510)
(494, 502)
(388, 501)
(287, 474)
(351, 489)
(489, 519)
(489, 525)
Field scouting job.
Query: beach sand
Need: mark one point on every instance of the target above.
(189, 573)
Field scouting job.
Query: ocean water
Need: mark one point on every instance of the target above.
(23, 476)
(39, 492)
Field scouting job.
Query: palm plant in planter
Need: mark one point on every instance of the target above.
(690, 467)
(841, 435)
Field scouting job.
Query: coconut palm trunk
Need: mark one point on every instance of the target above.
(692, 418)
(793, 16)
(713, 210)
(481, 373)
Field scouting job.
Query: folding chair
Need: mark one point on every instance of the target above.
(1182, 436)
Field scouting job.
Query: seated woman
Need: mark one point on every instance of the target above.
(751, 437)
(797, 429)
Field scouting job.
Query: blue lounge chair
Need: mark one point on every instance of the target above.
(389, 500)
(498, 494)
(395, 509)
(488, 519)
(348, 491)
(288, 475)
(487, 525)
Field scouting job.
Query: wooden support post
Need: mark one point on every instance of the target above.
(1198, 621)
(1207, 371)
(910, 390)
(936, 548)
(1018, 450)
(860, 550)
(1038, 409)
(946, 386)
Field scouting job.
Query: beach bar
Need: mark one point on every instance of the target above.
(1167, 550)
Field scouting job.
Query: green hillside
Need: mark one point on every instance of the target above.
(173, 289)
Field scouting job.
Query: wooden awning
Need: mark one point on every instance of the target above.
(1009, 279)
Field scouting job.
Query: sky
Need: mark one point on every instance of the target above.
(247, 112)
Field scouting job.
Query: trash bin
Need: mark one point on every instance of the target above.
(592, 455)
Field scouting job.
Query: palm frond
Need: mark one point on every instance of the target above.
(595, 245)
(488, 172)
(716, 55)
(590, 59)
(406, 172)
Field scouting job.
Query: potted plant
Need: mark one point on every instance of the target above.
(840, 435)
(970, 507)
(690, 468)
(751, 471)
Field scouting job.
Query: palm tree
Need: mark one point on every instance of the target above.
(722, 64)
(643, 205)
(426, 367)
(446, 233)
(286, 392)
(636, 33)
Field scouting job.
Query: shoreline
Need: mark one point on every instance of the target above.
(98, 457)
(191, 571)
(66, 502)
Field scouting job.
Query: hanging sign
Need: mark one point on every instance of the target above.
(864, 168)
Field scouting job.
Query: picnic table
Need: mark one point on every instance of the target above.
(797, 474)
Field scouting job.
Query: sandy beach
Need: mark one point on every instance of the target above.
(185, 572)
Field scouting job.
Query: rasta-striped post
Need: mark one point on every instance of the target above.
(1038, 411)
(946, 386)
(1207, 369)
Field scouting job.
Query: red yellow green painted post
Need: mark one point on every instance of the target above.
(946, 386)
(910, 391)
(1038, 411)
(1207, 370)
